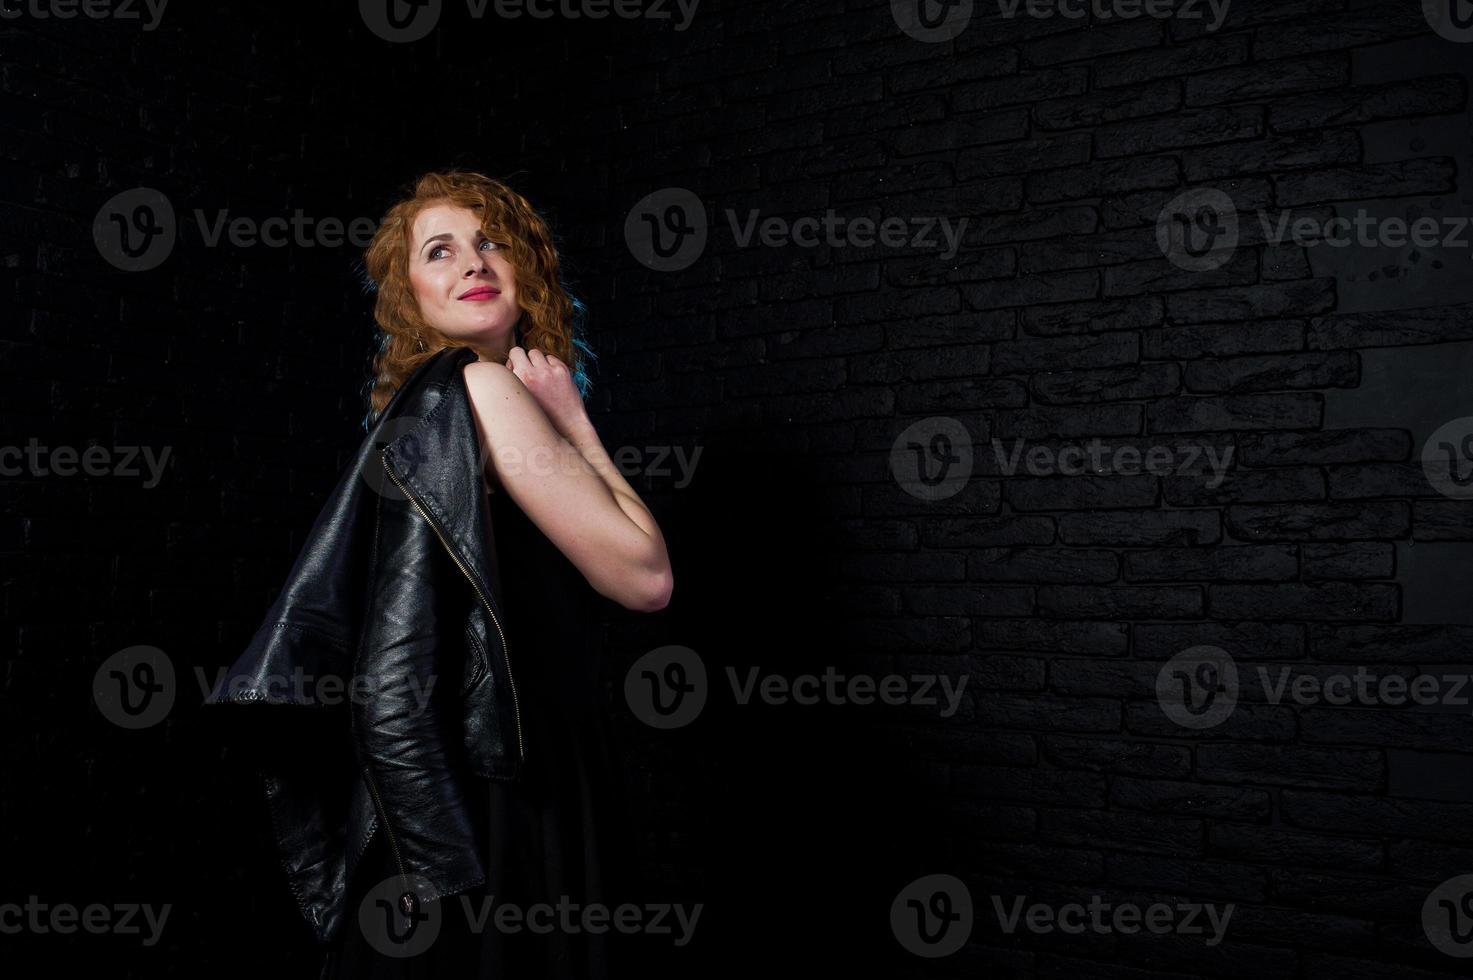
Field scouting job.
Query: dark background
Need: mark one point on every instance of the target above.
(795, 369)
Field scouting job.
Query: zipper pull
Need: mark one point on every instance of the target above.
(408, 904)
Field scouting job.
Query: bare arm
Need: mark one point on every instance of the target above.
(571, 490)
(584, 438)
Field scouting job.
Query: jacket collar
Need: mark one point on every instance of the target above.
(433, 454)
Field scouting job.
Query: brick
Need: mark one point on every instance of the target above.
(1278, 765)
(1140, 530)
(1267, 563)
(1428, 325)
(1319, 522)
(1330, 446)
(1348, 560)
(1423, 97)
(1156, 602)
(1242, 641)
(1234, 412)
(1041, 565)
(1321, 601)
(1140, 758)
(1245, 374)
(1107, 384)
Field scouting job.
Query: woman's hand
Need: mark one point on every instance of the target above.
(551, 383)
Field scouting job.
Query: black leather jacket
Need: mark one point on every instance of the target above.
(395, 590)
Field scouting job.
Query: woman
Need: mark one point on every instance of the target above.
(466, 262)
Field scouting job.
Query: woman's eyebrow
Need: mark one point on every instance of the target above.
(444, 236)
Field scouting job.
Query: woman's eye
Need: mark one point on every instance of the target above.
(435, 252)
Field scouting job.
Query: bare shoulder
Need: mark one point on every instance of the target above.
(487, 383)
(490, 378)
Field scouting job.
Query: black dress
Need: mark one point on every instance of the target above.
(559, 832)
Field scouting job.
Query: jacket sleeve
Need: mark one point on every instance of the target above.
(406, 702)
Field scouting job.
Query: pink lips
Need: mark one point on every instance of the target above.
(481, 293)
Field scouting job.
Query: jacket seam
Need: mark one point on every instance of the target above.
(291, 878)
(336, 641)
(371, 579)
(483, 663)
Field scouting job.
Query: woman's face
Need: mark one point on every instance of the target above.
(465, 287)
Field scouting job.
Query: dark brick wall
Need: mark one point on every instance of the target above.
(1077, 608)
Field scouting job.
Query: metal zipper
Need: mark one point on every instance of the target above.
(434, 525)
(408, 901)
